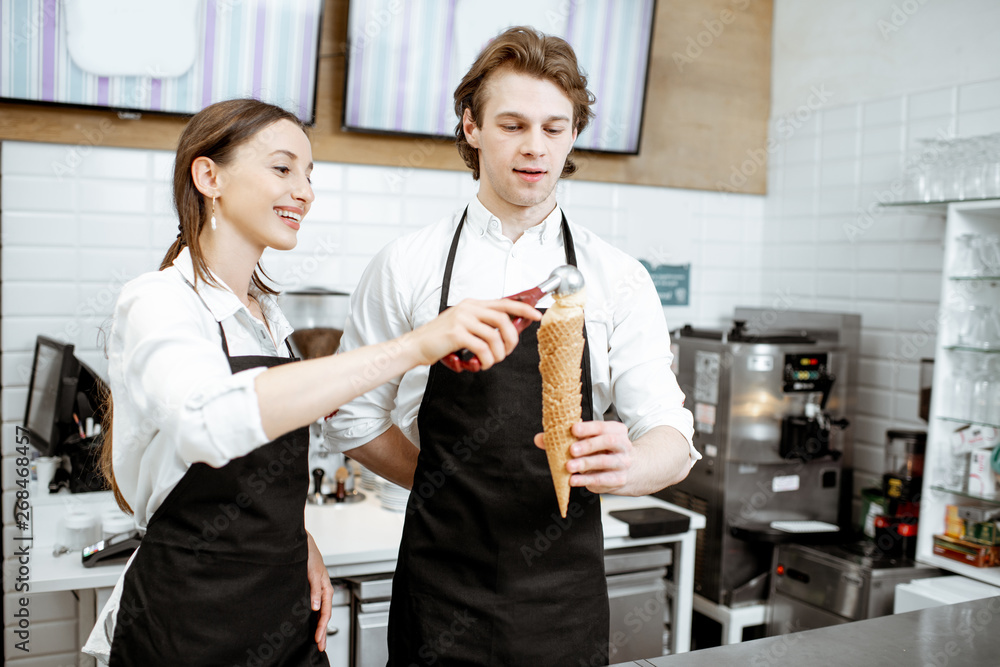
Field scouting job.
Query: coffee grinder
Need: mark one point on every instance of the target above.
(896, 529)
(318, 316)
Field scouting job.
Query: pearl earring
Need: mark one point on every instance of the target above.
(213, 214)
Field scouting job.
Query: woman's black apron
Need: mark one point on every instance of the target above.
(220, 578)
(488, 572)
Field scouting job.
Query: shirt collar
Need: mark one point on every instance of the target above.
(480, 220)
(223, 303)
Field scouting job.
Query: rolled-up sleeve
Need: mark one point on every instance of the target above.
(377, 314)
(174, 371)
(645, 390)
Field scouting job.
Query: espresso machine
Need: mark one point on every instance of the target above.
(772, 401)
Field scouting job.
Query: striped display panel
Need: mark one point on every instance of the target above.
(265, 49)
(405, 60)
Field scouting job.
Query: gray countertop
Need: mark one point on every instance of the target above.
(959, 635)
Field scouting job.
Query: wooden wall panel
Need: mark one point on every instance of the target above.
(706, 108)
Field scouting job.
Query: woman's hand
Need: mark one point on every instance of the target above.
(483, 327)
(320, 591)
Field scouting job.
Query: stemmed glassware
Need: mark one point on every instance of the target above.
(959, 406)
(961, 168)
(983, 384)
(968, 256)
(989, 253)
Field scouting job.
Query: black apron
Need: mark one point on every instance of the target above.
(488, 572)
(220, 578)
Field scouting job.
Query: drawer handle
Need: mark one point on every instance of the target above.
(331, 631)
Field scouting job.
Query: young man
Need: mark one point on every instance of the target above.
(488, 572)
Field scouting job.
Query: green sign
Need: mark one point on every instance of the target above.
(673, 282)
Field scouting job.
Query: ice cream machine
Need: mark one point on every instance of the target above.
(773, 402)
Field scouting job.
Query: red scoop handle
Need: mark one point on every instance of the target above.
(464, 360)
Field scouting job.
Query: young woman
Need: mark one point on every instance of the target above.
(208, 443)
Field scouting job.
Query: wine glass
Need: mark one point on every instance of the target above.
(983, 384)
(974, 166)
(962, 386)
(937, 166)
(989, 253)
(974, 327)
(968, 258)
(954, 170)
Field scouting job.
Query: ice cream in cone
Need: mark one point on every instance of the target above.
(560, 351)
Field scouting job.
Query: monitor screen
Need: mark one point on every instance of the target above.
(44, 389)
(54, 376)
(405, 59)
(172, 57)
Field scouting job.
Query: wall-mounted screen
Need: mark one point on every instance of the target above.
(405, 60)
(169, 57)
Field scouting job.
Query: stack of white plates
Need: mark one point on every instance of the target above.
(392, 496)
(369, 480)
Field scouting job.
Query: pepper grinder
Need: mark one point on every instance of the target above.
(341, 477)
(317, 495)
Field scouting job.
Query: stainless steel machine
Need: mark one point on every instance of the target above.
(814, 586)
(772, 400)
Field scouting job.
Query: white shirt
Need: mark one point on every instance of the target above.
(627, 333)
(176, 401)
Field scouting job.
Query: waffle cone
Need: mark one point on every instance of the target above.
(560, 351)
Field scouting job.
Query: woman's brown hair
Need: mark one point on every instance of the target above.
(215, 132)
(523, 50)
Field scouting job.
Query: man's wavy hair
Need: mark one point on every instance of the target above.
(523, 50)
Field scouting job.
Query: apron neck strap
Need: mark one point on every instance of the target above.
(446, 283)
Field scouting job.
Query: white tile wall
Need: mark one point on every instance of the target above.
(882, 263)
(71, 238)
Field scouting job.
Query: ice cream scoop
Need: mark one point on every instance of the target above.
(564, 281)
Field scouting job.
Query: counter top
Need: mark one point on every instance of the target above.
(355, 539)
(966, 634)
